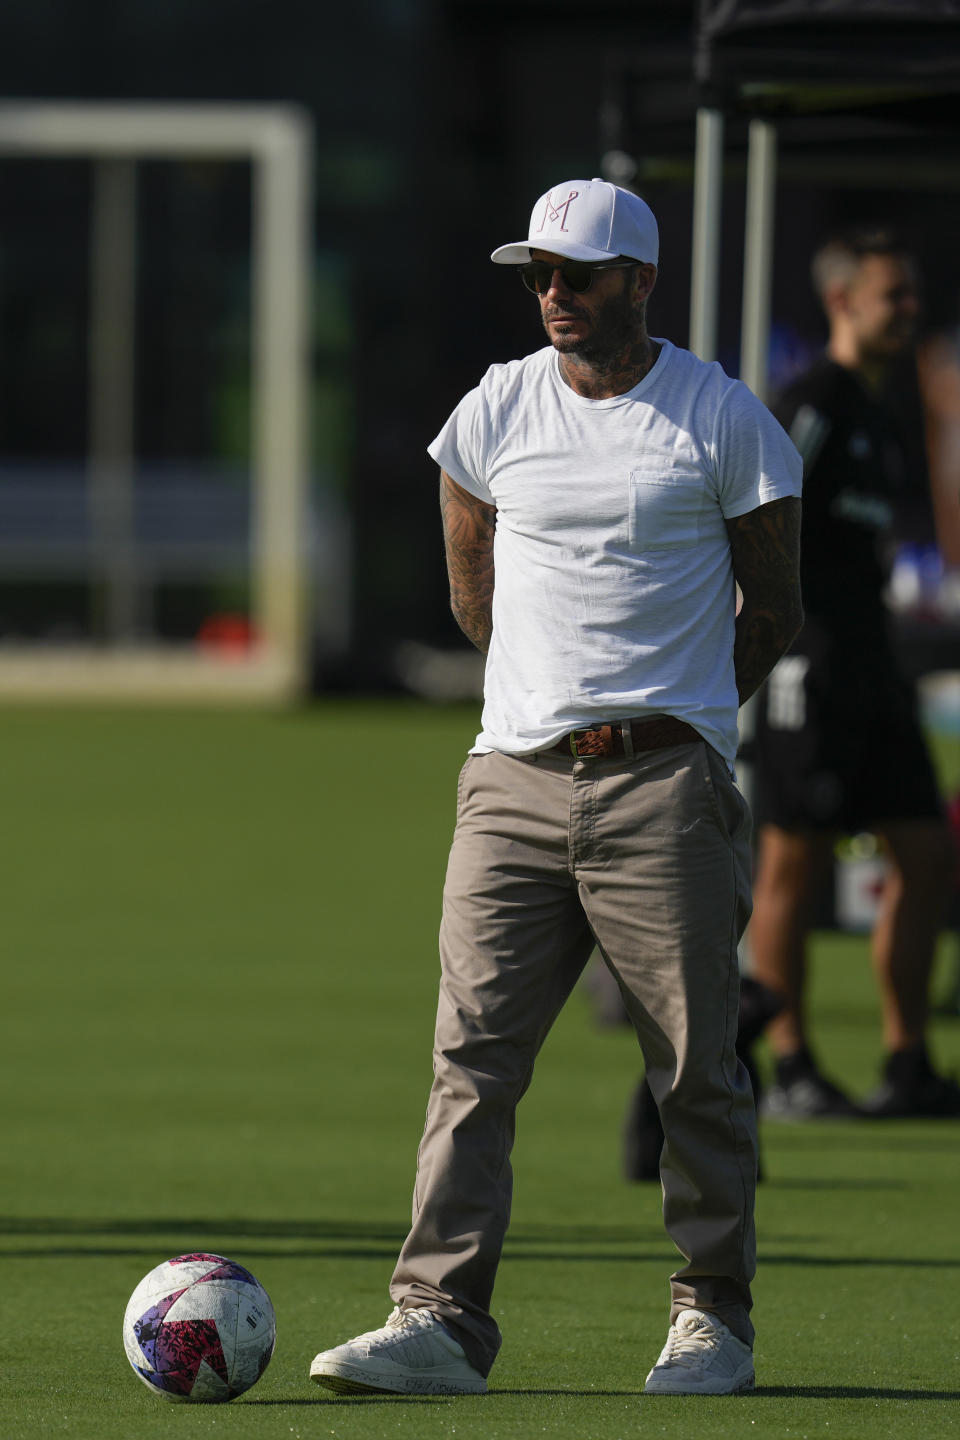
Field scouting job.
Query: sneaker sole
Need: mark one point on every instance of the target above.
(345, 1380)
(797, 1116)
(907, 1111)
(665, 1388)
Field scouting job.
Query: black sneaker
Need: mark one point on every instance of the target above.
(911, 1087)
(801, 1092)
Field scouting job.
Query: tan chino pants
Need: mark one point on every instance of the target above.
(649, 860)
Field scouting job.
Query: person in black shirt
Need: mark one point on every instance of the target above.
(838, 748)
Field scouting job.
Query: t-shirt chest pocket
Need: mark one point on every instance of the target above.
(664, 509)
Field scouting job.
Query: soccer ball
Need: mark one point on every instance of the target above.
(199, 1327)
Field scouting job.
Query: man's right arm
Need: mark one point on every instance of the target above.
(468, 530)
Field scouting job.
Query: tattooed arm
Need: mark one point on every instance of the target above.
(468, 527)
(765, 545)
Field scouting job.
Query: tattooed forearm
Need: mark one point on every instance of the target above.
(761, 639)
(468, 530)
(765, 545)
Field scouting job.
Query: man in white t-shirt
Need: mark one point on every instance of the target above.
(601, 501)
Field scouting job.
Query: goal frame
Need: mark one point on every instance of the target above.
(277, 140)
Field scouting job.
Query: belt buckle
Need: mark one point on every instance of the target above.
(574, 742)
(604, 748)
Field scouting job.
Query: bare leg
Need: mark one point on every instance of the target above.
(791, 867)
(913, 911)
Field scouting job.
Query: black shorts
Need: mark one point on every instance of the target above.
(838, 745)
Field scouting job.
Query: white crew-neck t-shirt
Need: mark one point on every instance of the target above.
(613, 585)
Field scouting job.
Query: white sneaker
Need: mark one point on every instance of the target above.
(411, 1355)
(701, 1357)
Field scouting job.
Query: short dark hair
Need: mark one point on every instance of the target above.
(841, 256)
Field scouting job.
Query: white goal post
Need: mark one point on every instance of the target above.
(277, 140)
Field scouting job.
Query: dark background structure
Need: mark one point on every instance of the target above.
(437, 122)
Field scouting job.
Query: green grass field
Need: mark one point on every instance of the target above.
(220, 967)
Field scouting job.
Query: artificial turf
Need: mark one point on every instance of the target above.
(220, 969)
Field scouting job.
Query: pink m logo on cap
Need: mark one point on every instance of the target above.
(553, 213)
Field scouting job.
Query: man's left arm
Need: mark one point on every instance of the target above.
(765, 546)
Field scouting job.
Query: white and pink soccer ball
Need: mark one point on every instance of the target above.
(199, 1327)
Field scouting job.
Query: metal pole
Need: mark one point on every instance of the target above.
(758, 255)
(707, 204)
(111, 393)
(281, 359)
(755, 340)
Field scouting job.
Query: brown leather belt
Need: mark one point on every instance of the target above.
(627, 738)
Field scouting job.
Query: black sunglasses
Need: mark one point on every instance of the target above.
(577, 275)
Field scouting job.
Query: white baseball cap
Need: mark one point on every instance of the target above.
(587, 220)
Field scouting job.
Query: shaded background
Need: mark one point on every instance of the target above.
(437, 123)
